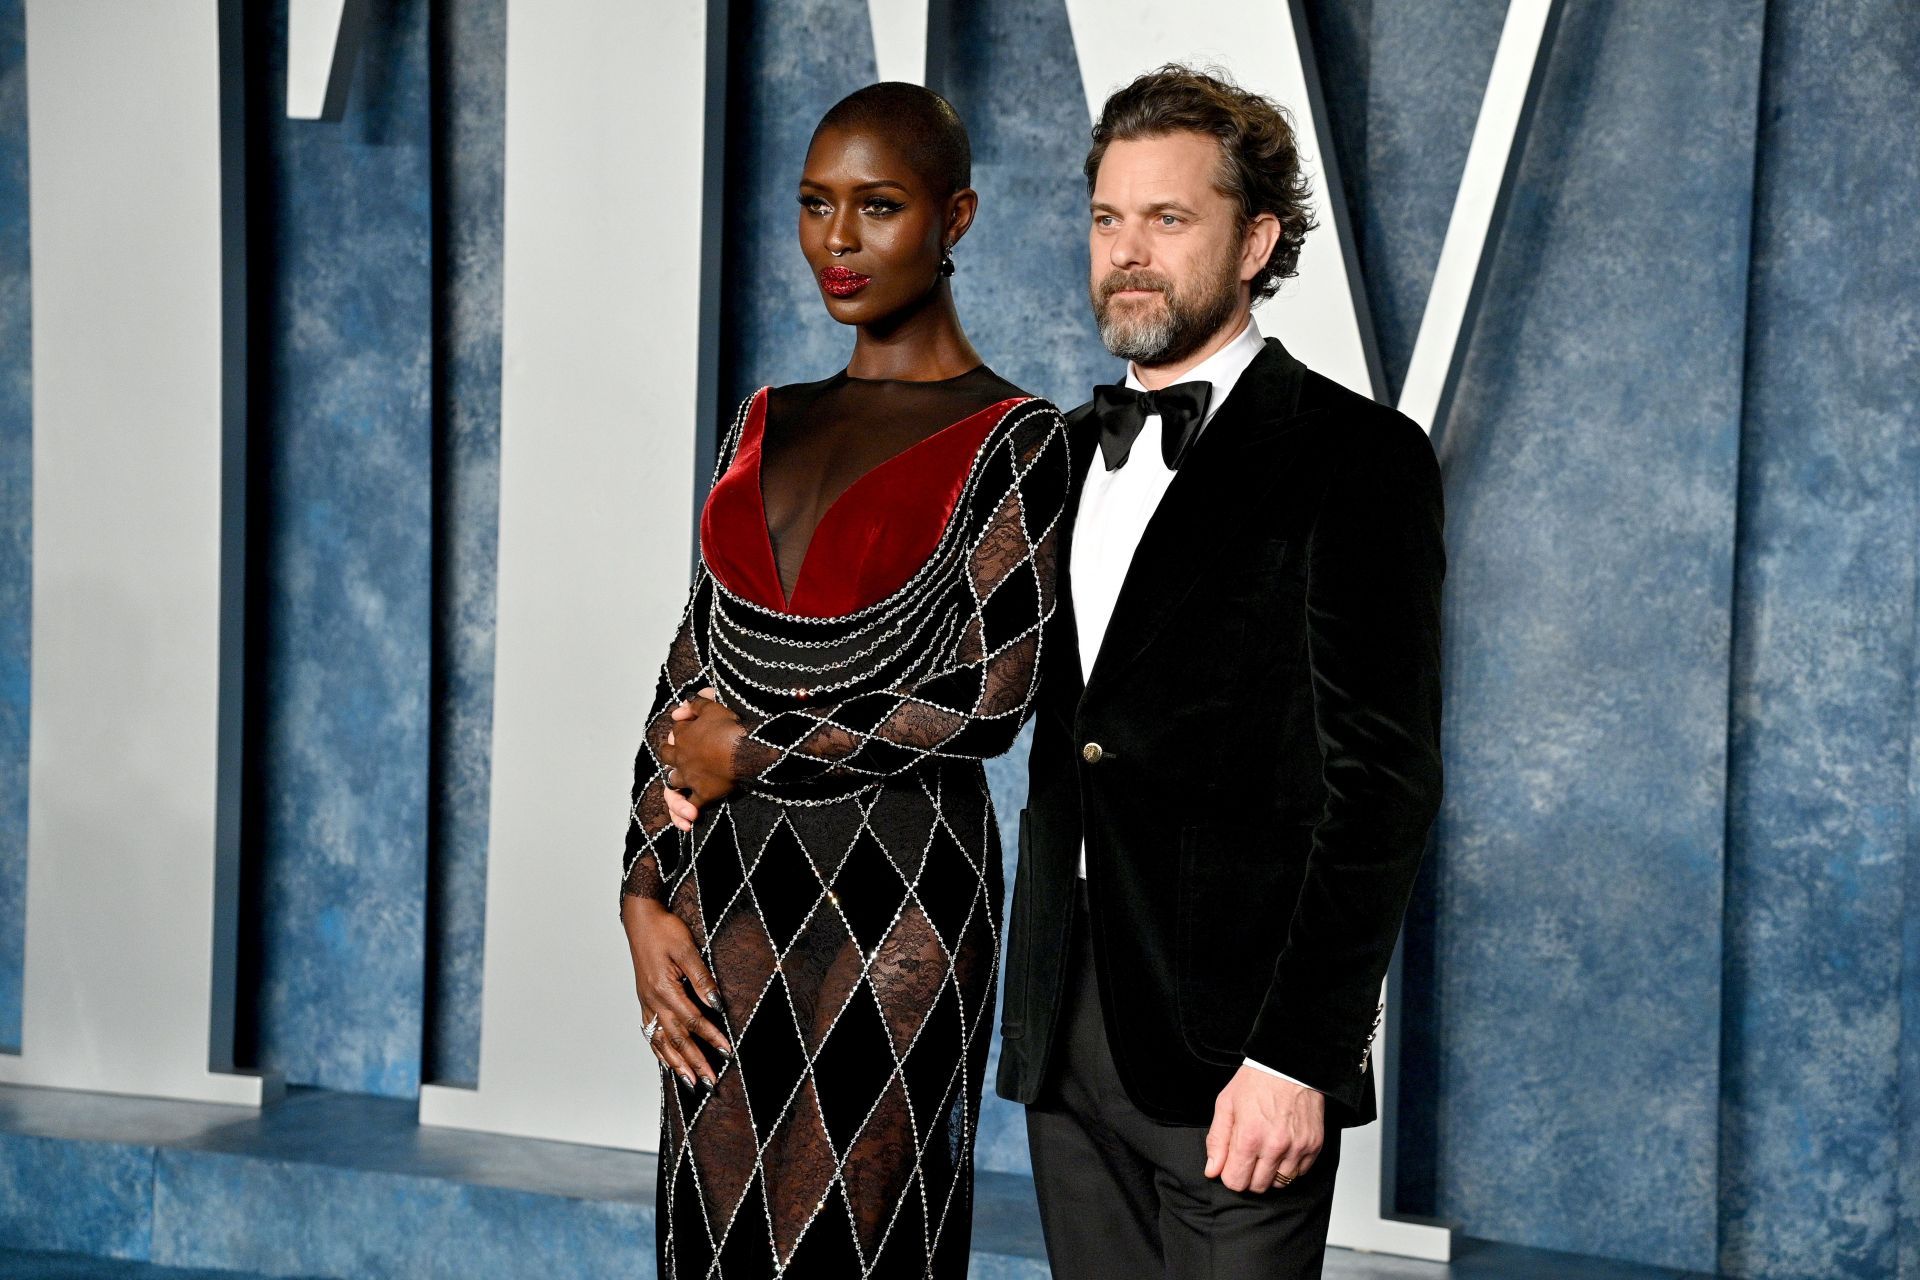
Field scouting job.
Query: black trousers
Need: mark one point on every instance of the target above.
(1124, 1195)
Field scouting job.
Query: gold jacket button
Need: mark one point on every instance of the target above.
(1092, 753)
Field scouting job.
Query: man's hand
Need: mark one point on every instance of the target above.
(1264, 1126)
(699, 756)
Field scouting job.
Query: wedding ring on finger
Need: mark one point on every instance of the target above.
(1281, 1179)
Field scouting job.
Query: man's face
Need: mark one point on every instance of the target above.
(1169, 253)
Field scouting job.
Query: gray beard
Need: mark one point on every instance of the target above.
(1176, 331)
(1140, 340)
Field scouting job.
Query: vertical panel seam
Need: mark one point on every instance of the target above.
(1734, 629)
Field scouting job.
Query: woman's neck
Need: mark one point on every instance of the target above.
(925, 345)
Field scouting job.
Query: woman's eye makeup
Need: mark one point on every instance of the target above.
(879, 206)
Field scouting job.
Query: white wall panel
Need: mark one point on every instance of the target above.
(601, 406)
(130, 782)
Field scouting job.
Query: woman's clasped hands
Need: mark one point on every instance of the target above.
(699, 753)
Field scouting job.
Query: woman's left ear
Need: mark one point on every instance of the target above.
(960, 210)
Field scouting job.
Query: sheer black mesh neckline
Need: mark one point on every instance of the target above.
(821, 438)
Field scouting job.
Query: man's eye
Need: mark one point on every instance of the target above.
(1103, 220)
(1168, 220)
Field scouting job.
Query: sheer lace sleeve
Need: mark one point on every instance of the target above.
(649, 829)
(973, 698)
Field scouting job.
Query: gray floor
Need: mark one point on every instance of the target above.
(1483, 1260)
(1478, 1261)
(24, 1264)
(383, 1134)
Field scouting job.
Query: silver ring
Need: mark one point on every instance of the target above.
(651, 1028)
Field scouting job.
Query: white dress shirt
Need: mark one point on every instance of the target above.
(1116, 505)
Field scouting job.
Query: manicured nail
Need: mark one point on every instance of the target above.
(688, 1077)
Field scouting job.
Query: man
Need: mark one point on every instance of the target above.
(1236, 751)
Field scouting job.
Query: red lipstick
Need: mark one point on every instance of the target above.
(843, 282)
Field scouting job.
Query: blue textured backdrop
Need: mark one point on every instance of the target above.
(1590, 464)
(1663, 975)
(16, 511)
(469, 55)
(341, 787)
(1820, 818)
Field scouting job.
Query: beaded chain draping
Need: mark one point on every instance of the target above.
(847, 895)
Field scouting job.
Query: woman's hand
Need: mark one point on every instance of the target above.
(663, 954)
(699, 756)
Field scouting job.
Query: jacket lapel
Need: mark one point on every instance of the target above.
(1201, 508)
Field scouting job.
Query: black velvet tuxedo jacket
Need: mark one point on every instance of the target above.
(1254, 761)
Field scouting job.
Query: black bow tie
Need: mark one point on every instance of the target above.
(1121, 412)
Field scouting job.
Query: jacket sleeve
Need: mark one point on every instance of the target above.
(1375, 560)
(973, 700)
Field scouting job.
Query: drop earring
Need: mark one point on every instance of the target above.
(946, 262)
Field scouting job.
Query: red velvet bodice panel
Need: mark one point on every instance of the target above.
(870, 541)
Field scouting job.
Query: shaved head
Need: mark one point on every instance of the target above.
(915, 120)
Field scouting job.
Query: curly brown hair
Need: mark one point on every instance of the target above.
(1259, 160)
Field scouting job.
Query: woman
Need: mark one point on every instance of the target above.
(877, 568)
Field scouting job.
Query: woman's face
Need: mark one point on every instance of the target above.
(872, 228)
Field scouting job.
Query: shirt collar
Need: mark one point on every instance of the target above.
(1223, 368)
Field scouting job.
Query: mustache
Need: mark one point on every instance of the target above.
(1118, 280)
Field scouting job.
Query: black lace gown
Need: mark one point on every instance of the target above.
(877, 569)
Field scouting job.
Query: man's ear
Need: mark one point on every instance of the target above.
(1256, 247)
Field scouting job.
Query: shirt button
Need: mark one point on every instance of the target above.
(1092, 753)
